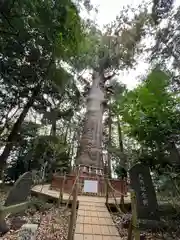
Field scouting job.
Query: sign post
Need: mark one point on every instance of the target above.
(133, 226)
(90, 186)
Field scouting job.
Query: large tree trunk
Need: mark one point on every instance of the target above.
(91, 141)
(17, 126)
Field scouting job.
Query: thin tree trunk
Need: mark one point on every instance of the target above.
(14, 132)
(123, 162)
(124, 157)
(66, 133)
(73, 142)
(7, 119)
(120, 135)
(53, 128)
(78, 136)
(109, 142)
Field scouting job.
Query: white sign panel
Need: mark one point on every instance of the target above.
(90, 186)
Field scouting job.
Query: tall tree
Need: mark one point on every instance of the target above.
(115, 50)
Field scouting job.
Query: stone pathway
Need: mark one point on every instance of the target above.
(94, 222)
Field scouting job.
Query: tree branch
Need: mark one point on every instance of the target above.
(9, 33)
(109, 77)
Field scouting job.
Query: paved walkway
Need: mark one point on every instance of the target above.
(94, 222)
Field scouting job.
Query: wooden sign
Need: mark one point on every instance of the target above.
(141, 183)
(90, 186)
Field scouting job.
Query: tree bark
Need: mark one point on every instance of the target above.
(174, 153)
(16, 127)
(124, 158)
(123, 161)
(109, 142)
(120, 135)
(7, 119)
(91, 141)
(66, 133)
(53, 128)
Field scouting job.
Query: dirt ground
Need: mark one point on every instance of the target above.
(52, 222)
(122, 222)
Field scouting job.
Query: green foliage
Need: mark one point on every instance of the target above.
(36, 38)
(152, 114)
(120, 171)
(40, 205)
(147, 104)
(160, 9)
(116, 47)
(54, 151)
(33, 35)
(32, 151)
(21, 156)
(165, 51)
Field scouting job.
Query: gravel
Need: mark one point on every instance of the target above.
(52, 222)
(119, 221)
(52, 225)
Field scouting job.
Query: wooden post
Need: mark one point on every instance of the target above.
(130, 229)
(60, 200)
(107, 190)
(134, 216)
(3, 226)
(73, 211)
(122, 203)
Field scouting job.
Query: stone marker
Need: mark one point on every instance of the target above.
(28, 232)
(141, 183)
(18, 194)
(3, 227)
(21, 190)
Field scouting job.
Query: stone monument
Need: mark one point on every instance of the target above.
(141, 183)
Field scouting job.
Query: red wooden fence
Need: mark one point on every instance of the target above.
(119, 185)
